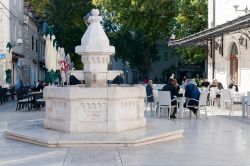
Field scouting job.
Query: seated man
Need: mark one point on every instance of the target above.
(149, 91)
(118, 79)
(173, 92)
(73, 80)
(193, 92)
(233, 86)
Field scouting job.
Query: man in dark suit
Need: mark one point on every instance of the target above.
(118, 79)
(173, 92)
(149, 91)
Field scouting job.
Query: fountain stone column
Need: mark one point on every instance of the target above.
(95, 52)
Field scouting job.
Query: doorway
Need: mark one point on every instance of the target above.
(234, 64)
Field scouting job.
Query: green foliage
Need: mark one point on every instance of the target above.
(52, 77)
(168, 71)
(135, 27)
(136, 49)
(66, 16)
(152, 18)
(192, 55)
(8, 76)
(191, 18)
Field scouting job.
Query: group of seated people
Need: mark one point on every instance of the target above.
(216, 83)
(191, 91)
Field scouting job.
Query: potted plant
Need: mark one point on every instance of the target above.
(8, 76)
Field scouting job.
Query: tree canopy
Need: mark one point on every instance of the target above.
(133, 26)
(141, 24)
(191, 18)
(144, 23)
(66, 17)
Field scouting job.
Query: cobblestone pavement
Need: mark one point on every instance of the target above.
(217, 141)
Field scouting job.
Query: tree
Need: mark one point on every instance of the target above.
(66, 17)
(135, 27)
(191, 18)
(135, 48)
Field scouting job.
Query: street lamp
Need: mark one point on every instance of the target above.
(246, 10)
(11, 45)
(126, 70)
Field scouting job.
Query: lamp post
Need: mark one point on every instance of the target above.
(246, 10)
(126, 70)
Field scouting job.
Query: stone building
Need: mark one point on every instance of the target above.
(227, 39)
(34, 47)
(11, 29)
(18, 22)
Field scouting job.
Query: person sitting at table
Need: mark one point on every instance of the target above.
(118, 79)
(149, 92)
(213, 84)
(40, 86)
(205, 83)
(176, 85)
(193, 92)
(233, 86)
(173, 92)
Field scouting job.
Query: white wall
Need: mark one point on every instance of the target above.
(11, 28)
(224, 10)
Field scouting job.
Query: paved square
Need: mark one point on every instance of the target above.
(217, 141)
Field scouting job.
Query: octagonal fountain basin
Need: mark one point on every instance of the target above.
(95, 109)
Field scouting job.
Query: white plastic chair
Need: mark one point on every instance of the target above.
(227, 98)
(202, 103)
(212, 96)
(165, 101)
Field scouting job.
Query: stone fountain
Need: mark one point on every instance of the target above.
(96, 114)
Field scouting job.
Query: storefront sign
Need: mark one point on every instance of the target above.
(2, 56)
(64, 66)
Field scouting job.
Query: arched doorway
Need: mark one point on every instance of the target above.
(234, 64)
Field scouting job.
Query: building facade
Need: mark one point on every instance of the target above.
(34, 47)
(227, 39)
(11, 29)
(26, 59)
(231, 53)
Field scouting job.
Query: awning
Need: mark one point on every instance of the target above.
(203, 36)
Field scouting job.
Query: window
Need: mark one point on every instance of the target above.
(32, 44)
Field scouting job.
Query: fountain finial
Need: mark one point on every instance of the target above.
(95, 51)
(95, 12)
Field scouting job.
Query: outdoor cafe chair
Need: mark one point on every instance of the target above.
(23, 100)
(165, 102)
(228, 99)
(202, 103)
(212, 96)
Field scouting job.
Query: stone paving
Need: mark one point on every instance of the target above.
(217, 141)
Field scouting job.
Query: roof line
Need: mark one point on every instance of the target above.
(236, 24)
